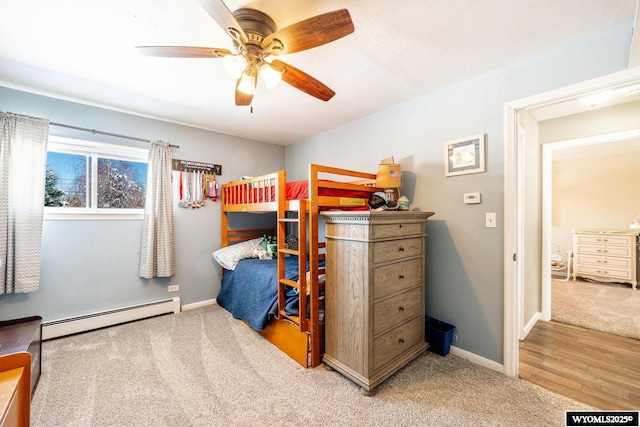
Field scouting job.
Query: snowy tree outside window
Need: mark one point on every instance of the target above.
(85, 177)
(121, 184)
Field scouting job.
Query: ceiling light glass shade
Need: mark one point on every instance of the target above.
(235, 65)
(247, 84)
(595, 99)
(270, 75)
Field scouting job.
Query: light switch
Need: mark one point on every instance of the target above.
(490, 219)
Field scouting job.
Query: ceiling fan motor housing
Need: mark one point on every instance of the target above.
(256, 25)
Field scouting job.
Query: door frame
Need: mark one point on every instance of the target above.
(515, 241)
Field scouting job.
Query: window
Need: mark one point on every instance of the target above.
(93, 179)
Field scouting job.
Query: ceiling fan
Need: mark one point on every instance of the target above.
(255, 39)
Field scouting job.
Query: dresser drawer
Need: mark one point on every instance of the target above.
(604, 261)
(606, 240)
(393, 278)
(396, 342)
(389, 231)
(604, 272)
(397, 249)
(397, 309)
(616, 251)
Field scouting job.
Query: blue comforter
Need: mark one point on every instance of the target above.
(250, 292)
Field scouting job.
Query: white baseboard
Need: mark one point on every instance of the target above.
(529, 326)
(198, 304)
(102, 319)
(478, 360)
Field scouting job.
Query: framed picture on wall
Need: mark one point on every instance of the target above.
(464, 156)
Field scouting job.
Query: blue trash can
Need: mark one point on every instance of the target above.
(439, 335)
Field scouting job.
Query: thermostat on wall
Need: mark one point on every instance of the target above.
(471, 198)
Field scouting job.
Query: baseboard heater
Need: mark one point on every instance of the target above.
(88, 322)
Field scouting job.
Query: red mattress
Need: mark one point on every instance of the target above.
(352, 200)
(296, 190)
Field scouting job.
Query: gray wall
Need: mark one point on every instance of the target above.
(464, 259)
(90, 266)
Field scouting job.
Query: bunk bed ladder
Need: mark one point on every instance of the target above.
(301, 284)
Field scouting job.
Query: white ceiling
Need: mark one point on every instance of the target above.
(401, 49)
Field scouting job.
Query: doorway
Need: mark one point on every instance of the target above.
(600, 146)
(524, 251)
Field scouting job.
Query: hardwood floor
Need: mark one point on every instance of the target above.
(598, 369)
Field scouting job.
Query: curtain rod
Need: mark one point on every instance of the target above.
(105, 133)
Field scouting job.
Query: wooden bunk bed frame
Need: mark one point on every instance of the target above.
(301, 337)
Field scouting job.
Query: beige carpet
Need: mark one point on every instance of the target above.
(203, 368)
(607, 307)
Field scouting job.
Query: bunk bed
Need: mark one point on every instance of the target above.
(298, 332)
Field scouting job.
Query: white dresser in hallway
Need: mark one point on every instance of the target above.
(606, 255)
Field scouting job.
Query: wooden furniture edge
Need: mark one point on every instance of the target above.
(21, 395)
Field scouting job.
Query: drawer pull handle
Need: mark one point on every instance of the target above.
(399, 225)
(401, 340)
(603, 261)
(401, 308)
(401, 276)
(401, 248)
(602, 272)
(602, 250)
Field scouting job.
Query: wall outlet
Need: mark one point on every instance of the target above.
(455, 337)
(173, 288)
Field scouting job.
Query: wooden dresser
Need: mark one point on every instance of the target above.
(374, 293)
(606, 255)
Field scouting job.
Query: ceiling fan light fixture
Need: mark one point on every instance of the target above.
(256, 37)
(270, 74)
(235, 65)
(247, 84)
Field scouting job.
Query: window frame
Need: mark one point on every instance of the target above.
(96, 150)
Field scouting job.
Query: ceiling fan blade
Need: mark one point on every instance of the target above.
(223, 16)
(312, 32)
(304, 82)
(183, 51)
(241, 97)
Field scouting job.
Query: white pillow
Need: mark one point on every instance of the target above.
(230, 256)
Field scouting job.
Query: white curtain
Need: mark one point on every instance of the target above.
(157, 252)
(23, 157)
